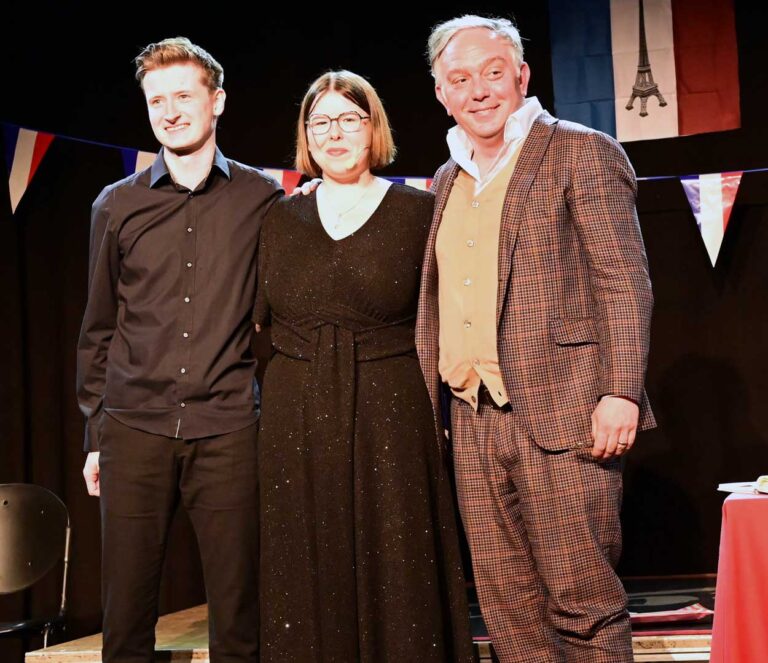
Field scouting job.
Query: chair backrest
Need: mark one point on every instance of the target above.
(33, 534)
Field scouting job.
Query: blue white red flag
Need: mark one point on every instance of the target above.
(673, 73)
(711, 198)
(136, 160)
(24, 150)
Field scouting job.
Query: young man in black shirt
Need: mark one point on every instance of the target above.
(165, 371)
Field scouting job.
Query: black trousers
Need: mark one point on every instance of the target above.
(142, 478)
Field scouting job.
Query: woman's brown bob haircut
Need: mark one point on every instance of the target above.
(360, 92)
(178, 50)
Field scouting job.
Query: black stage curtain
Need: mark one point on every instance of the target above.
(706, 379)
(707, 373)
(44, 275)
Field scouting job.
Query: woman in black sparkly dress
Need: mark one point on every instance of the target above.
(360, 555)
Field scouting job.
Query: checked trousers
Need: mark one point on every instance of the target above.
(544, 533)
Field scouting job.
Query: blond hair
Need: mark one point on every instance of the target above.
(444, 32)
(176, 50)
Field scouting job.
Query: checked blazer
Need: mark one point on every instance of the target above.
(574, 297)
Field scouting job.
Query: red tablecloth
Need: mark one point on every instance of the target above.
(740, 629)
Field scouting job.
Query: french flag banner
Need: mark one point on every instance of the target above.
(136, 160)
(24, 150)
(711, 198)
(645, 69)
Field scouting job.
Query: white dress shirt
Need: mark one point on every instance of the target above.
(515, 132)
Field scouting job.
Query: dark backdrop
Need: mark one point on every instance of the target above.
(68, 71)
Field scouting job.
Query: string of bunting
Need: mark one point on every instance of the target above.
(711, 196)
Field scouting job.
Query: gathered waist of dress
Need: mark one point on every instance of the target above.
(368, 343)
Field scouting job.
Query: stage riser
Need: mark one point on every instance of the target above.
(182, 637)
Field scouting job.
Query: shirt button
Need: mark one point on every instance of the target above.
(186, 299)
(476, 362)
(182, 405)
(467, 281)
(475, 204)
(183, 370)
(189, 264)
(189, 230)
(467, 324)
(470, 243)
(185, 334)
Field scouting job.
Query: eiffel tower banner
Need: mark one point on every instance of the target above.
(711, 199)
(646, 69)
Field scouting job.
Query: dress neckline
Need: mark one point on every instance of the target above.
(367, 223)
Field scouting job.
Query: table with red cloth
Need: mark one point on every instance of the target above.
(740, 629)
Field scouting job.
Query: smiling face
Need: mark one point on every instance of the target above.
(480, 83)
(182, 110)
(339, 154)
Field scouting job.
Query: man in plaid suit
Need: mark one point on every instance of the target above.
(535, 310)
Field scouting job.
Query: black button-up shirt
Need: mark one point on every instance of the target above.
(165, 341)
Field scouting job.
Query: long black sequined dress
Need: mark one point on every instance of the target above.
(360, 556)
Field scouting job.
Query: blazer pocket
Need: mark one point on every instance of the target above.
(574, 331)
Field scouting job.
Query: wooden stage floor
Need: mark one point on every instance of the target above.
(183, 636)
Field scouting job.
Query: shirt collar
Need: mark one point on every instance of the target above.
(159, 169)
(516, 128)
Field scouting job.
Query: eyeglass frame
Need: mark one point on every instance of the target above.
(331, 120)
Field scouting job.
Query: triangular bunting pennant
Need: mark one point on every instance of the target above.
(711, 198)
(136, 160)
(145, 160)
(421, 183)
(10, 135)
(418, 183)
(28, 152)
(289, 179)
(274, 172)
(129, 160)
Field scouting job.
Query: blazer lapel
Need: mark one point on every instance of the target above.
(528, 163)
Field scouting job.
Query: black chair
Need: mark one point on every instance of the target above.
(34, 536)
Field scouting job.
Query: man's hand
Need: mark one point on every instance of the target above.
(91, 473)
(614, 426)
(308, 187)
